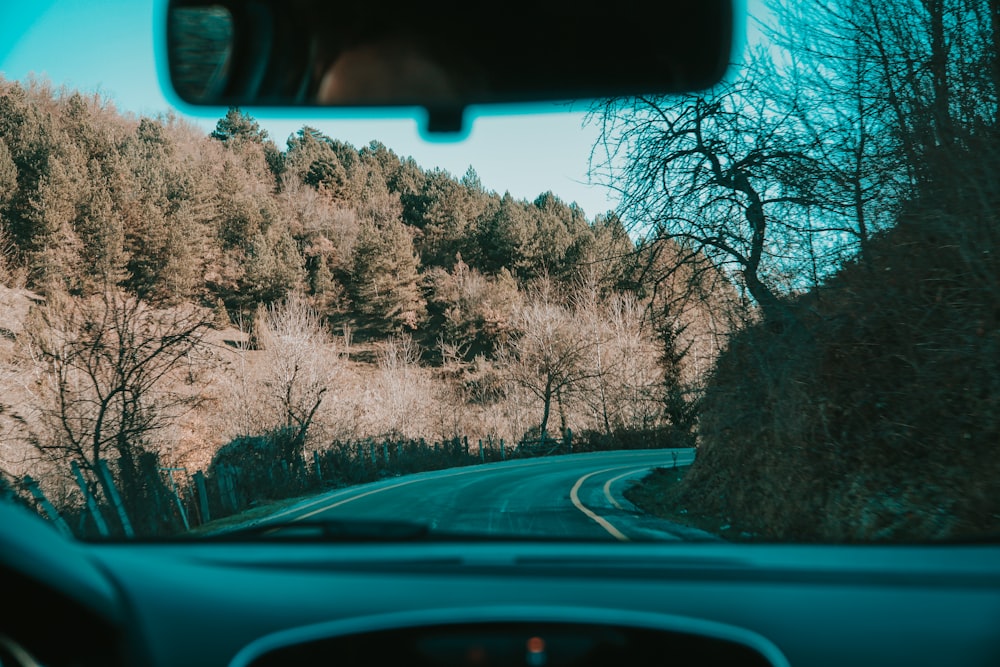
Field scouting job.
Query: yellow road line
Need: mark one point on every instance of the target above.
(574, 496)
(607, 486)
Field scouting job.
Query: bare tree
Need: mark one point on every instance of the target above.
(300, 363)
(549, 357)
(719, 175)
(625, 378)
(115, 372)
(400, 391)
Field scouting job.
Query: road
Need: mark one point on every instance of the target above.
(577, 495)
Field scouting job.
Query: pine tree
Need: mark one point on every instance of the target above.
(385, 279)
(238, 126)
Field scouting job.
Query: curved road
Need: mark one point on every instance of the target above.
(577, 496)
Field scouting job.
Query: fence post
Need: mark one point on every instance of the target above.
(569, 439)
(220, 486)
(227, 489)
(220, 481)
(482, 456)
(199, 485)
(399, 451)
(46, 506)
(319, 473)
(116, 500)
(177, 495)
(231, 487)
(92, 507)
(371, 450)
(385, 452)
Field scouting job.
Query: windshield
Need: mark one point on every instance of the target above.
(768, 311)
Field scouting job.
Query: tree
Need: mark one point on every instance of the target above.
(469, 314)
(312, 160)
(8, 175)
(300, 364)
(259, 261)
(30, 135)
(720, 175)
(549, 356)
(560, 236)
(238, 126)
(449, 210)
(882, 91)
(239, 132)
(402, 395)
(624, 383)
(113, 375)
(501, 237)
(54, 248)
(384, 278)
(163, 214)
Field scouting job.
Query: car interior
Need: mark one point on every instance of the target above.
(265, 598)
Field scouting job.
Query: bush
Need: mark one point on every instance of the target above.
(873, 412)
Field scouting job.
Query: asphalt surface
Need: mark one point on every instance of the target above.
(575, 496)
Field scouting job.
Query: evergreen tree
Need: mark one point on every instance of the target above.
(501, 238)
(238, 126)
(385, 279)
(8, 175)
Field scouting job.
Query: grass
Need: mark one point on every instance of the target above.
(656, 494)
(259, 511)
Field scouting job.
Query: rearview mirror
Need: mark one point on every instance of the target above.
(441, 56)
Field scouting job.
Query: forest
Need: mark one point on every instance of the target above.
(801, 280)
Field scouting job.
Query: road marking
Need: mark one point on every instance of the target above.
(353, 498)
(607, 486)
(469, 471)
(574, 496)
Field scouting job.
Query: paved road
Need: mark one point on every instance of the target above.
(578, 496)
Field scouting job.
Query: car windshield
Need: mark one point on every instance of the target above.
(767, 311)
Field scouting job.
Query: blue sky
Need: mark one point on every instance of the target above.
(107, 46)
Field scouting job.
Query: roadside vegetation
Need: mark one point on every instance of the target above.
(846, 178)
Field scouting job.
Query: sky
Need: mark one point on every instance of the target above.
(108, 46)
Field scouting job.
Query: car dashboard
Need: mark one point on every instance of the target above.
(255, 604)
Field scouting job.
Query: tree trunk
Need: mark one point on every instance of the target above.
(547, 397)
(769, 303)
(940, 106)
